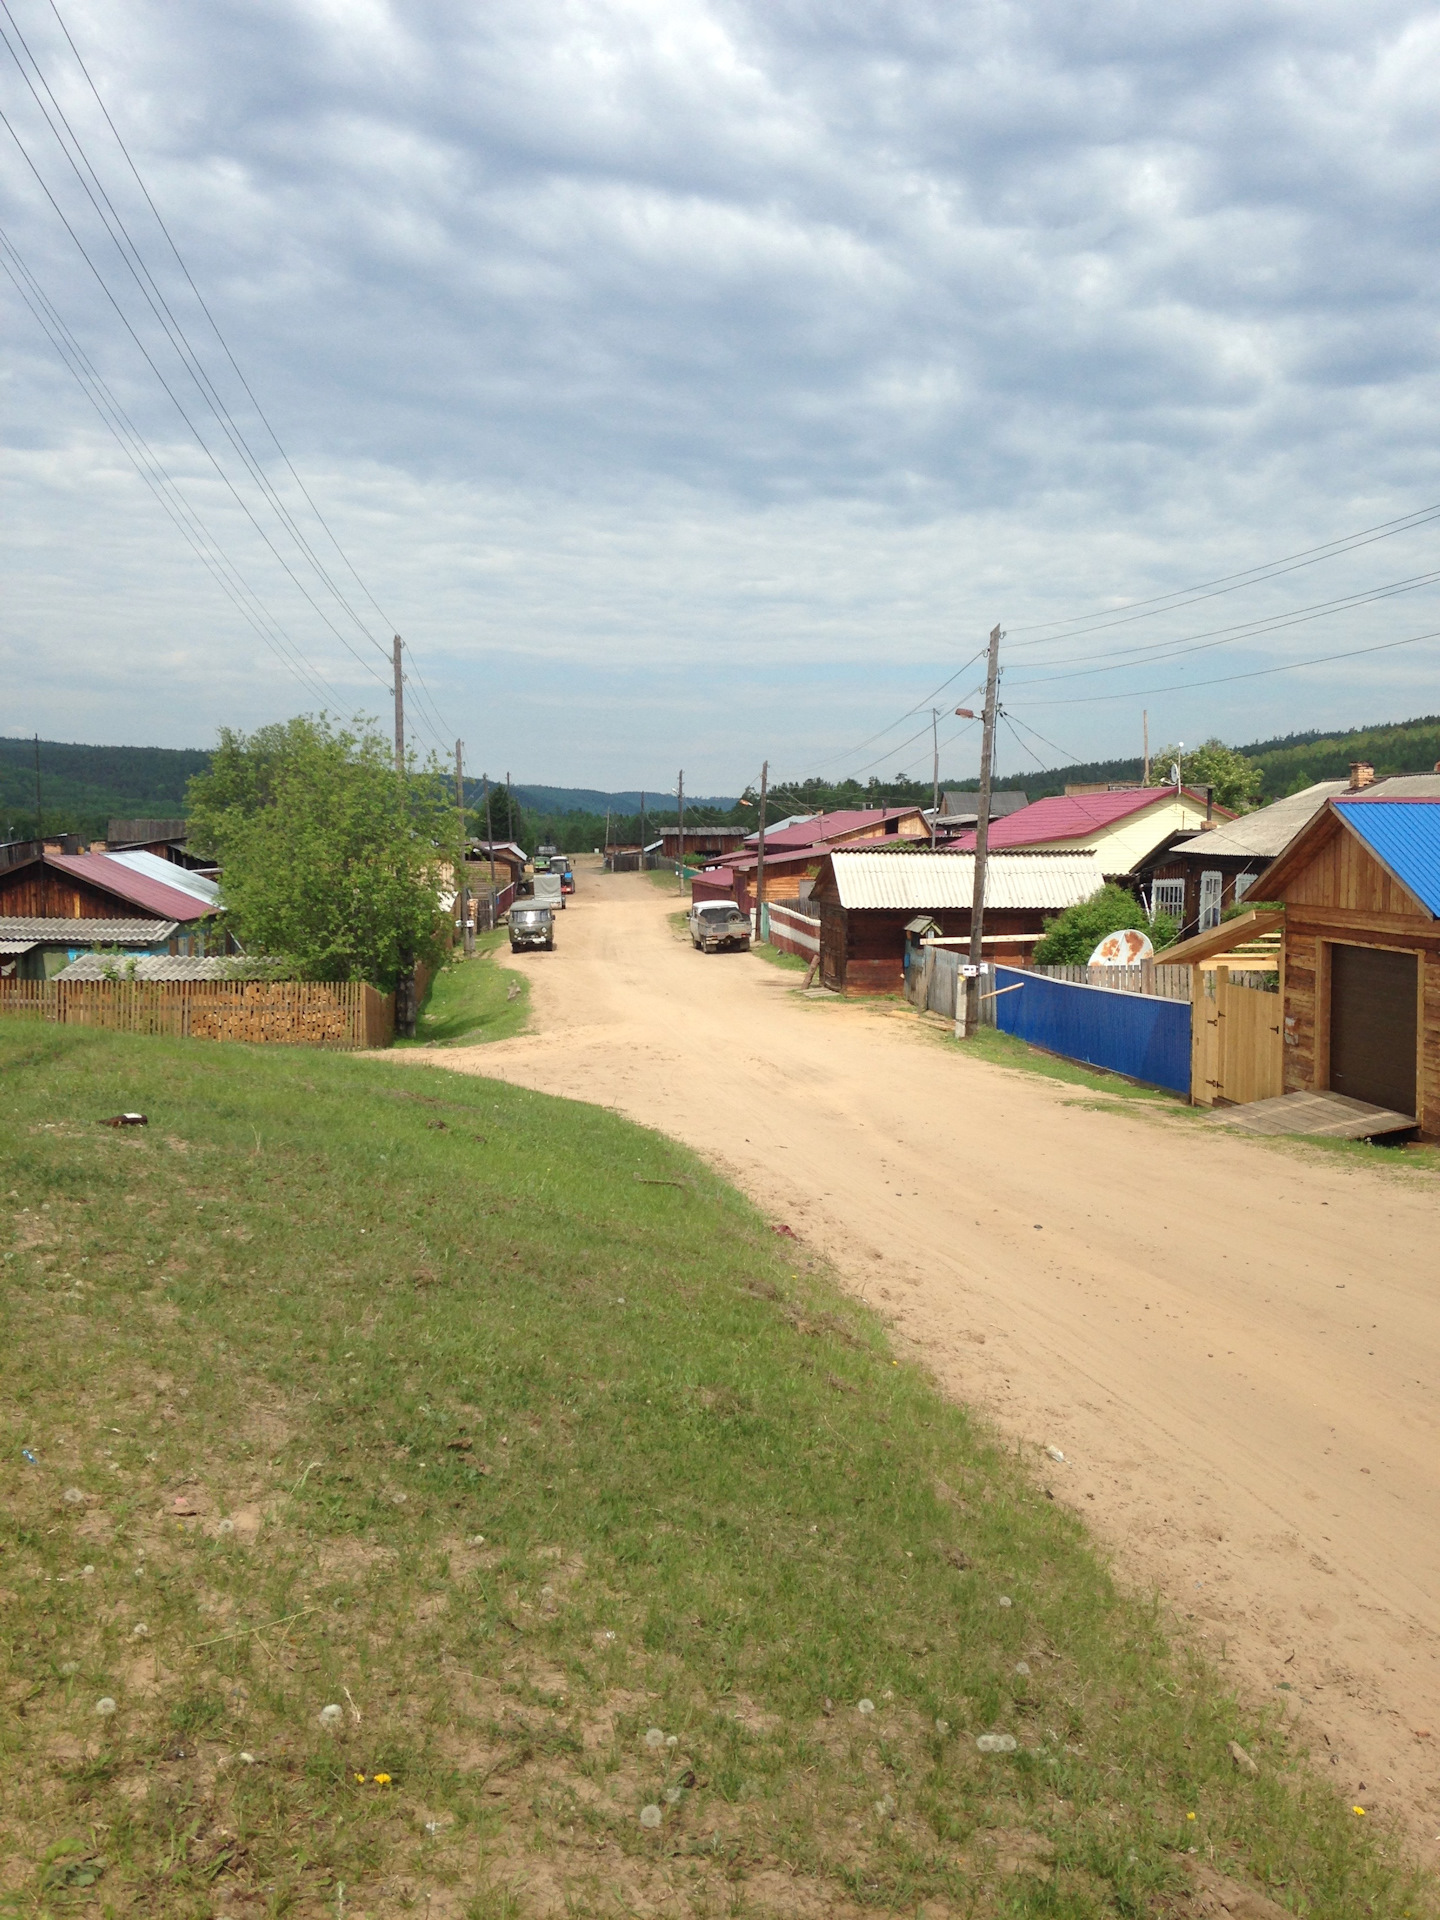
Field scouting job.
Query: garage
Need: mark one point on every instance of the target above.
(1373, 1005)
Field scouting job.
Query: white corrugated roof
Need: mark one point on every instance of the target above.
(166, 871)
(927, 882)
(160, 966)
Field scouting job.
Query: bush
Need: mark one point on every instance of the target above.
(1072, 936)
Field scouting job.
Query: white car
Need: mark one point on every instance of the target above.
(718, 923)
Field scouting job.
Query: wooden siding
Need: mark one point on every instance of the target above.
(26, 895)
(863, 948)
(1343, 896)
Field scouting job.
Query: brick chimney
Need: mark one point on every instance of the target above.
(1362, 774)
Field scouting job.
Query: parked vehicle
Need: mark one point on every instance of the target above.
(532, 926)
(718, 923)
(562, 866)
(548, 889)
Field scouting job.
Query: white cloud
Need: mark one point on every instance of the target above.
(708, 361)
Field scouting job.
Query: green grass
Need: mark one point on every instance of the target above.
(1005, 1050)
(510, 1431)
(667, 883)
(777, 957)
(472, 1001)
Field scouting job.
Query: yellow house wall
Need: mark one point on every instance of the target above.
(1124, 842)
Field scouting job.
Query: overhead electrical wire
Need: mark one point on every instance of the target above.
(1258, 673)
(173, 329)
(153, 472)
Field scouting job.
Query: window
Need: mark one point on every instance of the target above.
(1243, 884)
(1212, 883)
(1169, 897)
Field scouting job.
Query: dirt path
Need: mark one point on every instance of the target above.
(1234, 1345)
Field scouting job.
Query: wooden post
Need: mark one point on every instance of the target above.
(1145, 730)
(680, 869)
(642, 830)
(467, 930)
(760, 926)
(982, 837)
(935, 771)
(405, 981)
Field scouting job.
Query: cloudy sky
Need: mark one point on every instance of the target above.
(695, 381)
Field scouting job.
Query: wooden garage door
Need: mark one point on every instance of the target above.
(1372, 1026)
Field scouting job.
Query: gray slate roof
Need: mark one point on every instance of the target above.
(87, 933)
(966, 806)
(145, 966)
(1262, 834)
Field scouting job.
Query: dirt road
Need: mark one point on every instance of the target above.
(1235, 1345)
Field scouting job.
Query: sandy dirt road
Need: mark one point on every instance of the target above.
(1235, 1345)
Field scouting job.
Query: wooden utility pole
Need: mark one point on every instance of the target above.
(467, 930)
(405, 981)
(490, 847)
(642, 830)
(935, 770)
(761, 924)
(399, 706)
(1145, 734)
(680, 869)
(606, 861)
(40, 839)
(974, 984)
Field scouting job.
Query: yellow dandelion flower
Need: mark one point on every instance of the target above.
(1189, 1816)
(1359, 1810)
(360, 1778)
(382, 1779)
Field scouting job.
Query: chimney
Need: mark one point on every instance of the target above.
(1362, 774)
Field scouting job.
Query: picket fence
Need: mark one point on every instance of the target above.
(345, 1015)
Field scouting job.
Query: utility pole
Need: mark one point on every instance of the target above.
(680, 868)
(1145, 735)
(405, 980)
(761, 923)
(40, 838)
(974, 983)
(606, 861)
(490, 847)
(935, 770)
(467, 930)
(642, 830)
(399, 706)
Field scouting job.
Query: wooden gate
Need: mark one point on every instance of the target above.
(1236, 1049)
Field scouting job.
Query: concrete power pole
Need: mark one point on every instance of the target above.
(466, 928)
(761, 922)
(975, 983)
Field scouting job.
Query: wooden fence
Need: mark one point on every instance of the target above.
(793, 927)
(346, 1015)
(1152, 977)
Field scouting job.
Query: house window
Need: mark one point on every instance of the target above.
(1168, 896)
(1243, 884)
(1212, 884)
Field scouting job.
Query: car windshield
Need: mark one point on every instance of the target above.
(532, 916)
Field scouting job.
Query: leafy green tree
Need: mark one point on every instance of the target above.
(1236, 780)
(1073, 936)
(327, 859)
(507, 818)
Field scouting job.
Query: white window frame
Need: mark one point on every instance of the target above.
(1243, 884)
(1163, 898)
(1212, 895)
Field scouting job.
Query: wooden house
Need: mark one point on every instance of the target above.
(1123, 828)
(868, 896)
(704, 843)
(1197, 876)
(1361, 968)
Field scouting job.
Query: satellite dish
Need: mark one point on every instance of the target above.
(1124, 949)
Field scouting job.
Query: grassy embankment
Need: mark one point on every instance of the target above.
(501, 1433)
(472, 1001)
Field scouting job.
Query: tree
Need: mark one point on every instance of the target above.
(1073, 936)
(328, 859)
(507, 822)
(1236, 780)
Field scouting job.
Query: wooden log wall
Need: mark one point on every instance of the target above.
(341, 1015)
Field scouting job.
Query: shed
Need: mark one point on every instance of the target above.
(868, 898)
(1361, 959)
(708, 842)
(36, 949)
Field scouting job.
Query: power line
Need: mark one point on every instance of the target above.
(1259, 673)
(154, 473)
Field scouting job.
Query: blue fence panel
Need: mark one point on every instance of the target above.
(1136, 1034)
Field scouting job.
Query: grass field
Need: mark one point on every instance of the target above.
(777, 957)
(422, 1496)
(472, 1001)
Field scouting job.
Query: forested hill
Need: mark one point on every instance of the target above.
(81, 787)
(1294, 761)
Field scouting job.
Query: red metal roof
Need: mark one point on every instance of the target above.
(170, 903)
(1071, 816)
(830, 826)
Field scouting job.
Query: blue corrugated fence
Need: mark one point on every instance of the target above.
(1136, 1034)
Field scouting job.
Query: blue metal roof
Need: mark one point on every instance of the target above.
(1405, 834)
